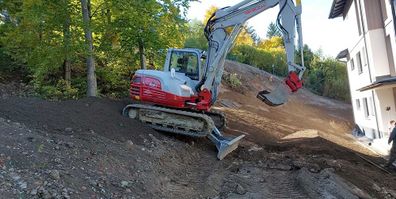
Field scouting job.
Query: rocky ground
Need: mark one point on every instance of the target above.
(86, 149)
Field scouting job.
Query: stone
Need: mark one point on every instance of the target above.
(69, 129)
(23, 185)
(33, 192)
(240, 190)
(69, 144)
(376, 187)
(129, 144)
(55, 174)
(125, 184)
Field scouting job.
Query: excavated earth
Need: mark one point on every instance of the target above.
(86, 149)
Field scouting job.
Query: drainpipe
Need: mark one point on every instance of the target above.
(368, 64)
(393, 4)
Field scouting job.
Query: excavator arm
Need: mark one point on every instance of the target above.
(223, 28)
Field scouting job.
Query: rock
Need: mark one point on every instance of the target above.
(69, 144)
(129, 144)
(69, 130)
(23, 185)
(376, 187)
(55, 174)
(125, 184)
(240, 190)
(33, 192)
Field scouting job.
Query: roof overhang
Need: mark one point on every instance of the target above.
(384, 83)
(343, 55)
(338, 8)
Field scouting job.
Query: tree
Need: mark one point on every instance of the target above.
(247, 36)
(91, 76)
(271, 43)
(273, 31)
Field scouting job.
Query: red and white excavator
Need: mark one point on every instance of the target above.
(179, 98)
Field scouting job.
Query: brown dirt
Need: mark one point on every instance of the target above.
(99, 154)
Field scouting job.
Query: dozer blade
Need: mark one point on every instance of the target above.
(224, 145)
(276, 97)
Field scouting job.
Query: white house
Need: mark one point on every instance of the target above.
(370, 56)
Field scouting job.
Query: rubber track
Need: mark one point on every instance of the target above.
(209, 122)
(220, 114)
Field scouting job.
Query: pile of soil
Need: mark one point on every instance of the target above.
(102, 116)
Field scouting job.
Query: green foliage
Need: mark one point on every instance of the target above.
(273, 31)
(233, 80)
(38, 38)
(42, 35)
(195, 36)
(268, 60)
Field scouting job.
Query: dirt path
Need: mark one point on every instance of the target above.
(86, 149)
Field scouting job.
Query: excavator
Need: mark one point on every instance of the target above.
(179, 99)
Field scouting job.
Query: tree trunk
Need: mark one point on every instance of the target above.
(66, 44)
(142, 56)
(91, 77)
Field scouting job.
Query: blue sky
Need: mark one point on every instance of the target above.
(319, 32)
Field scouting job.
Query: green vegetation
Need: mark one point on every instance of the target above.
(53, 41)
(232, 80)
(53, 45)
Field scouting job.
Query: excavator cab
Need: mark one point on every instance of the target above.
(185, 61)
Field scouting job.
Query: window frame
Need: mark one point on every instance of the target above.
(359, 62)
(196, 56)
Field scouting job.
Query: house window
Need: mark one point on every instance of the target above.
(358, 104)
(358, 17)
(371, 107)
(364, 56)
(352, 64)
(390, 55)
(359, 63)
(366, 108)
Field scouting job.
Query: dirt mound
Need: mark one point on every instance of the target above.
(102, 116)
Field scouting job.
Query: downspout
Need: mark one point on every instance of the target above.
(393, 2)
(368, 64)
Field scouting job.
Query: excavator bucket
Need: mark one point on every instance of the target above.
(224, 145)
(276, 97)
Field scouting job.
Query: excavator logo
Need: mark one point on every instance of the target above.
(255, 9)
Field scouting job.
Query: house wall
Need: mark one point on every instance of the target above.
(385, 99)
(373, 46)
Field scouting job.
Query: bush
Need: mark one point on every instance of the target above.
(270, 60)
(232, 80)
(59, 92)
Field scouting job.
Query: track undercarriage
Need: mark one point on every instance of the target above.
(193, 124)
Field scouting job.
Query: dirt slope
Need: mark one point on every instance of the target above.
(86, 149)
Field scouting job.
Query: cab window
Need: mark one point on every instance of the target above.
(185, 62)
